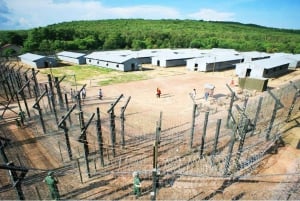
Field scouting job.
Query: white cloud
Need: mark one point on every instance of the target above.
(145, 11)
(212, 15)
(34, 13)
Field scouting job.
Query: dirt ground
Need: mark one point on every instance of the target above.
(175, 103)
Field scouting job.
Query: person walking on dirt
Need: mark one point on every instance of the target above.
(52, 182)
(83, 92)
(158, 93)
(206, 94)
(136, 185)
(100, 94)
(21, 115)
(194, 94)
(72, 95)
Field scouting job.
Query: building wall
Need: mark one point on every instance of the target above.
(192, 65)
(168, 63)
(175, 62)
(80, 60)
(41, 63)
(144, 60)
(105, 64)
(275, 72)
(130, 65)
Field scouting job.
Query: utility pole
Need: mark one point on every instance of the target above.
(113, 124)
(122, 116)
(296, 96)
(233, 95)
(62, 124)
(99, 135)
(59, 94)
(193, 125)
(16, 179)
(38, 108)
(82, 138)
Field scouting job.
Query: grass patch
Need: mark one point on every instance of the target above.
(122, 78)
(87, 72)
(82, 72)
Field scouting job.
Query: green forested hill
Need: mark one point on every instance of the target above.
(141, 34)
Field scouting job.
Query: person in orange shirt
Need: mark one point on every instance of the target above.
(158, 93)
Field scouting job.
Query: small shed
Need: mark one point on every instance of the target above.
(113, 61)
(38, 61)
(72, 57)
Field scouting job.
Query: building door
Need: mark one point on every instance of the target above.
(158, 63)
(248, 72)
(196, 67)
(132, 67)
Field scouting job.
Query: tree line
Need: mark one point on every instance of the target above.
(138, 34)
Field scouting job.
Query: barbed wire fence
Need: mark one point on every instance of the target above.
(219, 157)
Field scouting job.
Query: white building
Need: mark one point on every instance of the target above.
(171, 58)
(213, 62)
(264, 68)
(254, 55)
(72, 57)
(293, 58)
(113, 61)
(38, 61)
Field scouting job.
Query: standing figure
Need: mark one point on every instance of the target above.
(158, 93)
(21, 115)
(136, 184)
(52, 182)
(206, 95)
(83, 92)
(72, 95)
(194, 94)
(100, 94)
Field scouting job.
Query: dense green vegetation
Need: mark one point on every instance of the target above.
(141, 34)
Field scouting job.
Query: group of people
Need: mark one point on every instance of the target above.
(52, 182)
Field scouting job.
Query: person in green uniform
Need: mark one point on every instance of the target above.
(22, 117)
(136, 185)
(52, 182)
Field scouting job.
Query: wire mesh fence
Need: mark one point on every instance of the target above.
(207, 163)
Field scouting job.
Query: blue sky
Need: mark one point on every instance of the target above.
(25, 14)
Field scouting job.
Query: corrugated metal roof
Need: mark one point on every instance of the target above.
(108, 57)
(286, 55)
(174, 56)
(270, 62)
(70, 54)
(254, 54)
(31, 57)
(218, 58)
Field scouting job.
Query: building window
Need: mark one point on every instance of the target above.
(106, 64)
(117, 65)
(97, 62)
(90, 60)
